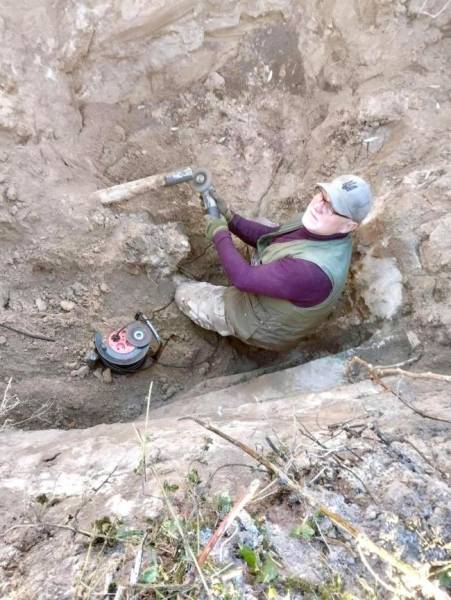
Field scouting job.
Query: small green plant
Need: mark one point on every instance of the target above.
(44, 500)
(193, 477)
(224, 503)
(150, 575)
(445, 579)
(305, 531)
(170, 488)
(105, 531)
(251, 558)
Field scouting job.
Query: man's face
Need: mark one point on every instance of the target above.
(321, 219)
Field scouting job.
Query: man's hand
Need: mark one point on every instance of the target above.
(223, 208)
(213, 225)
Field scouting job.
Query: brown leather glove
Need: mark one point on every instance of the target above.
(223, 208)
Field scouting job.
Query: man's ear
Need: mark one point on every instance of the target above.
(348, 226)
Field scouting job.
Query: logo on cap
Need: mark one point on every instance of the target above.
(349, 185)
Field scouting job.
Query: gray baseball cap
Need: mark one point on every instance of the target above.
(350, 196)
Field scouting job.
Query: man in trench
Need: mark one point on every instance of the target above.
(297, 274)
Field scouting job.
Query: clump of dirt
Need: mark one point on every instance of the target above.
(272, 97)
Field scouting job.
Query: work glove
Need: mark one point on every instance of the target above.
(213, 225)
(222, 206)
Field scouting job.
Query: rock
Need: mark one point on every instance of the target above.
(104, 288)
(436, 251)
(91, 358)
(82, 372)
(249, 593)
(107, 376)
(249, 534)
(3, 340)
(11, 194)
(380, 281)
(371, 513)
(204, 368)
(40, 305)
(424, 177)
(386, 107)
(169, 390)
(78, 288)
(399, 497)
(67, 305)
(69, 294)
(414, 340)
(215, 81)
(158, 248)
(372, 228)
(98, 373)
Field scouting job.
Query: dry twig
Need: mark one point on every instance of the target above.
(94, 491)
(339, 461)
(227, 521)
(437, 14)
(142, 439)
(10, 402)
(134, 574)
(5, 406)
(376, 373)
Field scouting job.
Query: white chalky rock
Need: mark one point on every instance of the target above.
(381, 283)
(67, 305)
(40, 305)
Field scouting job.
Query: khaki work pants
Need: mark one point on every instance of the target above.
(203, 303)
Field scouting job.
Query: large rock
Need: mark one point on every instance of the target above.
(436, 251)
(381, 285)
(372, 231)
(384, 107)
(156, 248)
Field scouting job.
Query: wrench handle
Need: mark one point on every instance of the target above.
(214, 211)
(210, 204)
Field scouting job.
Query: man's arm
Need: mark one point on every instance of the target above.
(249, 231)
(299, 281)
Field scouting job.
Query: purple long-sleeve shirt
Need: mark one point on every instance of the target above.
(300, 281)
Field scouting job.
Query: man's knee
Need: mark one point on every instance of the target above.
(203, 303)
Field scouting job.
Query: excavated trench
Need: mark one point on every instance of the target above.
(272, 98)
